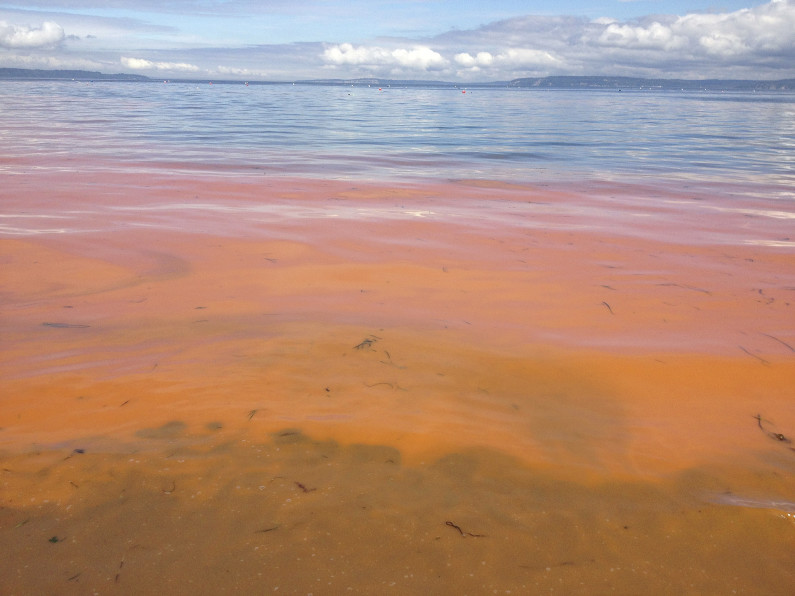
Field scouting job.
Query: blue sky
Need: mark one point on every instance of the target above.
(463, 40)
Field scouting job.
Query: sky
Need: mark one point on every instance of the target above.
(449, 40)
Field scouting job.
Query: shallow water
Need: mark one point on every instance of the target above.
(296, 515)
(424, 385)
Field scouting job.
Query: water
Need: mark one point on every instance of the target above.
(336, 340)
(361, 132)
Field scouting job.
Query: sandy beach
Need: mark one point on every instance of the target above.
(228, 382)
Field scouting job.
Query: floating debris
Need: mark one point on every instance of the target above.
(460, 531)
(367, 342)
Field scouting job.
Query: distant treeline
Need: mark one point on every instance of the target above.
(562, 82)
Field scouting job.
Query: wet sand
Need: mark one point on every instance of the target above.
(229, 382)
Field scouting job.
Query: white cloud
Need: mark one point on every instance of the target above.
(419, 58)
(468, 61)
(523, 59)
(769, 27)
(24, 37)
(654, 36)
(723, 44)
(528, 58)
(605, 21)
(347, 54)
(142, 64)
(240, 72)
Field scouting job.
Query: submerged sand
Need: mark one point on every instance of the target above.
(231, 383)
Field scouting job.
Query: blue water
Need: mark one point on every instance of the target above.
(361, 132)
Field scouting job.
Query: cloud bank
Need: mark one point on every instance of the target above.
(740, 43)
(728, 44)
(757, 42)
(767, 29)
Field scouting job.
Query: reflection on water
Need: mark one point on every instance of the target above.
(362, 133)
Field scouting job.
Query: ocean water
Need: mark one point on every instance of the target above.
(340, 340)
(416, 133)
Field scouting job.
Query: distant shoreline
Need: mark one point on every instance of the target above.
(552, 82)
(29, 74)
